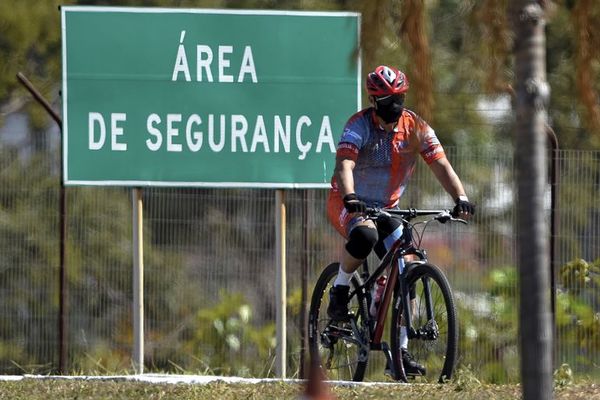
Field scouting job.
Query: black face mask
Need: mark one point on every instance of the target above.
(390, 108)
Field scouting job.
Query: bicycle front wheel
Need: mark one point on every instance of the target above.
(433, 316)
(340, 348)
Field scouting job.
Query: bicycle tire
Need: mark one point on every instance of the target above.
(332, 343)
(437, 355)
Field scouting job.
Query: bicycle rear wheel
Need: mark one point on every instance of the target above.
(434, 319)
(342, 348)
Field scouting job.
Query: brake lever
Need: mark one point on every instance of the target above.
(446, 216)
(443, 217)
(374, 212)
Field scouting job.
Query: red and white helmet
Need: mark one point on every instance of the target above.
(386, 81)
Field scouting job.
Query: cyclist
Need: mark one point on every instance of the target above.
(375, 157)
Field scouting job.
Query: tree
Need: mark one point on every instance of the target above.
(532, 93)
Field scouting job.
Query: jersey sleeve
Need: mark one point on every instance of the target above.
(352, 139)
(429, 145)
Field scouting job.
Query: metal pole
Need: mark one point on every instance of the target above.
(62, 222)
(304, 290)
(553, 140)
(138, 282)
(280, 283)
(36, 94)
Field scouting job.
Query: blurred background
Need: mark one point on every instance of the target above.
(210, 253)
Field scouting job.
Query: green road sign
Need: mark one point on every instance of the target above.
(221, 98)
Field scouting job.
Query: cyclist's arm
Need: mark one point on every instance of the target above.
(343, 174)
(445, 174)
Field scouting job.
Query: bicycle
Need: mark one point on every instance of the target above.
(420, 291)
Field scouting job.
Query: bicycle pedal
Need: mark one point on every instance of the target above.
(337, 330)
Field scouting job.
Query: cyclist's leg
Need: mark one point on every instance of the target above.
(342, 350)
(389, 230)
(361, 235)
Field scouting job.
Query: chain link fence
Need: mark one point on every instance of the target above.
(210, 269)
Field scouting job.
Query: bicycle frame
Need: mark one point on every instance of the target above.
(394, 259)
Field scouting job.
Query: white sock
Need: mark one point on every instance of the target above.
(343, 278)
(403, 338)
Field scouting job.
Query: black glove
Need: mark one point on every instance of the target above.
(463, 206)
(353, 205)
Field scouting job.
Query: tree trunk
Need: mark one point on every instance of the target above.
(532, 93)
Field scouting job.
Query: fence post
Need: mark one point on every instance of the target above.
(62, 222)
(304, 288)
(553, 141)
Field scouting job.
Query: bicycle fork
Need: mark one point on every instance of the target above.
(429, 331)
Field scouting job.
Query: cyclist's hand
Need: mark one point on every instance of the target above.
(463, 207)
(353, 204)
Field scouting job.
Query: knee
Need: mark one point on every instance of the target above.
(361, 241)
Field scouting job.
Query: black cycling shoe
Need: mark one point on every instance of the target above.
(338, 303)
(411, 366)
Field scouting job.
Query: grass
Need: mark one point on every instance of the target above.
(46, 389)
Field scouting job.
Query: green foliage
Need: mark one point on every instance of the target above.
(98, 263)
(578, 275)
(563, 376)
(489, 321)
(223, 337)
(28, 261)
(577, 312)
(465, 379)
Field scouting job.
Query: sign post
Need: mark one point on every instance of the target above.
(280, 283)
(138, 281)
(206, 98)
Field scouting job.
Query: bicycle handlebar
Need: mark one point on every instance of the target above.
(441, 216)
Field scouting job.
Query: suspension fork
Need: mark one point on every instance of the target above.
(407, 304)
(428, 302)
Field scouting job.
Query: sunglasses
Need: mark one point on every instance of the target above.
(387, 100)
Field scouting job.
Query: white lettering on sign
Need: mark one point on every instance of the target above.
(325, 136)
(94, 118)
(303, 147)
(243, 135)
(193, 139)
(96, 142)
(204, 64)
(214, 146)
(152, 120)
(181, 63)
(224, 63)
(247, 66)
(239, 128)
(204, 58)
(172, 132)
(282, 134)
(116, 131)
(260, 135)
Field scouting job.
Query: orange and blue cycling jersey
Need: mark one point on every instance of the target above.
(384, 160)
